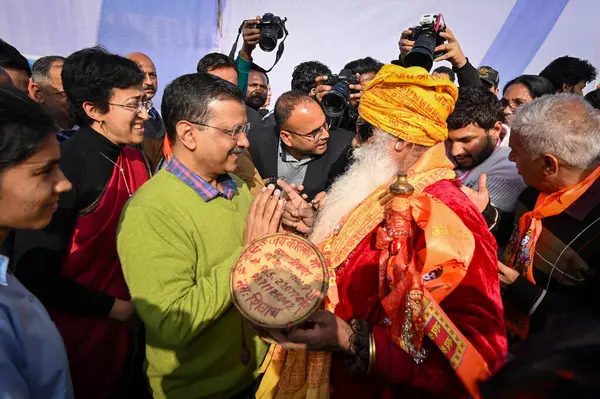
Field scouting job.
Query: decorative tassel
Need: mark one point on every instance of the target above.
(401, 287)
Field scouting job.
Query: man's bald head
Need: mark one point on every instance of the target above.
(147, 66)
(140, 58)
(5, 78)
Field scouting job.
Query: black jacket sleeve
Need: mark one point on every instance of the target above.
(499, 223)
(38, 256)
(467, 75)
(543, 306)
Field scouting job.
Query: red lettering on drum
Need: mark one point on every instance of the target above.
(282, 274)
(256, 304)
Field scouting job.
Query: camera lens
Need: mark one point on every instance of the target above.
(422, 52)
(268, 39)
(334, 103)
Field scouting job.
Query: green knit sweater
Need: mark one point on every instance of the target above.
(177, 252)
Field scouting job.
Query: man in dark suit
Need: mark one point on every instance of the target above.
(154, 128)
(302, 150)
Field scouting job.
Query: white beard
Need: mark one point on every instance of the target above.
(373, 165)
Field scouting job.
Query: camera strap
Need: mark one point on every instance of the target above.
(280, 48)
(234, 47)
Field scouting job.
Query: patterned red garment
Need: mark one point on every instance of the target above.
(475, 307)
(98, 347)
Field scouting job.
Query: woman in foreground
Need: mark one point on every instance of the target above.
(33, 361)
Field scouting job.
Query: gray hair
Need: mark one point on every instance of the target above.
(42, 66)
(563, 125)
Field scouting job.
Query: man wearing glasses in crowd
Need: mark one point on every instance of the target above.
(46, 88)
(305, 151)
(154, 127)
(179, 238)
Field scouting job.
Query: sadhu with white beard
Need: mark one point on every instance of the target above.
(414, 307)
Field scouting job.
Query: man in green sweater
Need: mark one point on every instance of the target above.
(179, 237)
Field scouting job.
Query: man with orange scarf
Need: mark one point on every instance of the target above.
(414, 307)
(550, 264)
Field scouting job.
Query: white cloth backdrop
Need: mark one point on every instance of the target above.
(175, 34)
(515, 36)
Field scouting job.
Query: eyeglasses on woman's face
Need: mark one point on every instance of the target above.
(137, 108)
(513, 104)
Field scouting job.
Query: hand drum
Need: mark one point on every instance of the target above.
(279, 281)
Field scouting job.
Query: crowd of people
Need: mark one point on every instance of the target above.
(120, 223)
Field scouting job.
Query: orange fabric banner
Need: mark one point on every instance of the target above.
(448, 251)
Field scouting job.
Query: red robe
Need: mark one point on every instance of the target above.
(475, 307)
(98, 348)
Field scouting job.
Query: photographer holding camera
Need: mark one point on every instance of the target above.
(339, 96)
(465, 72)
(266, 31)
(251, 35)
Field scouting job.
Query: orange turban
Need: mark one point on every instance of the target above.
(409, 103)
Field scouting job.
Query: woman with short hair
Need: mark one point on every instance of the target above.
(72, 265)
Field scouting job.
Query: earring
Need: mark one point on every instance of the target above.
(396, 146)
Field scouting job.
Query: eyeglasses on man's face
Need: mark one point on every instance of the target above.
(137, 108)
(314, 135)
(235, 133)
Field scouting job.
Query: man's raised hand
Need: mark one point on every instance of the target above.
(264, 216)
(251, 35)
(298, 214)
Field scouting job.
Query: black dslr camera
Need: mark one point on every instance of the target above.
(272, 29)
(427, 37)
(335, 102)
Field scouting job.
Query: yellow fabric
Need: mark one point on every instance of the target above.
(409, 103)
(294, 374)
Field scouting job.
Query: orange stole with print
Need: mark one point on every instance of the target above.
(464, 359)
(299, 374)
(430, 168)
(520, 251)
(412, 303)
